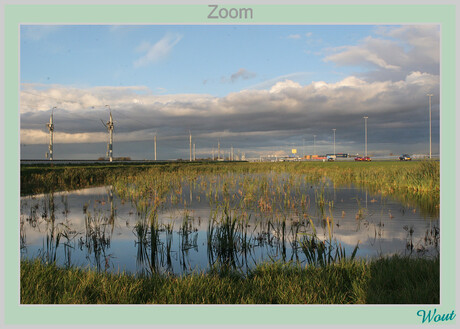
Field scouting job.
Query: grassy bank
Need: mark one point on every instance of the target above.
(37, 179)
(418, 177)
(385, 281)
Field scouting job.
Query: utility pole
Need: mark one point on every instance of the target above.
(194, 152)
(429, 97)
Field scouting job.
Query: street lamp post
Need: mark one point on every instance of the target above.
(190, 146)
(334, 139)
(314, 144)
(155, 146)
(365, 135)
(303, 146)
(429, 100)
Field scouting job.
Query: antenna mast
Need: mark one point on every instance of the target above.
(109, 126)
(50, 126)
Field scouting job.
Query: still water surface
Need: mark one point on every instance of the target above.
(95, 228)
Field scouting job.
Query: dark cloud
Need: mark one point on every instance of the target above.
(403, 65)
(253, 120)
(241, 74)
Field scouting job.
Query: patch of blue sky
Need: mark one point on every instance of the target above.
(188, 59)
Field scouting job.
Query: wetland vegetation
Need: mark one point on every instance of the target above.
(258, 223)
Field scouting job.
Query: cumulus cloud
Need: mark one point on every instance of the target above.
(158, 51)
(272, 118)
(424, 40)
(35, 136)
(403, 66)
(280, 86)
(271, 82)
(38, 97)
(395, 54)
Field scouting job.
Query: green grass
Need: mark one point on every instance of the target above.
(384, 281)
(417, 181)
(418, 176)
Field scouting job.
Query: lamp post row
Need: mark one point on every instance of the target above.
(50, 126)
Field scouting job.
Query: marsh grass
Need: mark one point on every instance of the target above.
(276, 195)
(417, 181)
(383, 281)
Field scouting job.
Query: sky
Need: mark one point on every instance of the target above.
(261, 89)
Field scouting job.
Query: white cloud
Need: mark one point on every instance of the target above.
(422, 79)
(158, 51)
(397, 52)
(138, 101)
(278, 87)
(424, 39)
(36, 136)
(356, 55)
(36, 97)
(271, 82)
(250, 118)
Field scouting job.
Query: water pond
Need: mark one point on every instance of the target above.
(197, 226)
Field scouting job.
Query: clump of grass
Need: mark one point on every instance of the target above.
(324, 252)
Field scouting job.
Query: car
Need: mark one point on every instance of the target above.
(366, 159)
(358, 159)
(405, 157)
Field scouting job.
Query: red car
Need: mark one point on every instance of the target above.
(362, 159)
(366, 159)
(358, 159)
